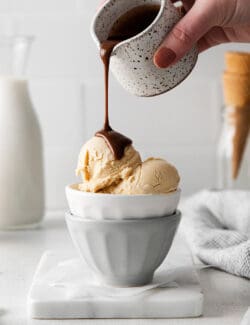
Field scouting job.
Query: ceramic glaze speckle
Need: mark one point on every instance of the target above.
(132, 60)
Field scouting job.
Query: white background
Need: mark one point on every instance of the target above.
(67, 91)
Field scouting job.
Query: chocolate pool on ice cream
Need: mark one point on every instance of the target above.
(123, 215)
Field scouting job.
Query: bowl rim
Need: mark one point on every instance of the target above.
(69, 188)
(176, 215)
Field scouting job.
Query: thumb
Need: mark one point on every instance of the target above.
(198, 20)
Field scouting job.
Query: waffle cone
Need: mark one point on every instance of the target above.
(236, 89)
(238, 62)
(241, 118)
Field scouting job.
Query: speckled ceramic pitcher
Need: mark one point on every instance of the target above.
(132, 60)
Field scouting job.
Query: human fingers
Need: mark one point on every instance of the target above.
(192, 27)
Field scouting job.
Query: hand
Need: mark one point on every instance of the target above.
(207, 23)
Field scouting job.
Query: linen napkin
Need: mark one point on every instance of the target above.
(217, 227)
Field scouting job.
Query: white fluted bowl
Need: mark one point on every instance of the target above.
(123, 252)
(100, 206)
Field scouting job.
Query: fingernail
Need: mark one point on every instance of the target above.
(164, 57)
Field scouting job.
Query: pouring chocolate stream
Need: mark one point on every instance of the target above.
(128, 25)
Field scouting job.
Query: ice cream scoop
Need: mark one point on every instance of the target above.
(99, 168)
(102, 173)
(153, 176)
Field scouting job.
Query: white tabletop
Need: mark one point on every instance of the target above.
(226, 297)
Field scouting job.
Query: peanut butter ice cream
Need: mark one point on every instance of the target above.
(99, 168)
(153, 176)
(102, 173)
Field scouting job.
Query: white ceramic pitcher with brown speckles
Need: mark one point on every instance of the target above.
(132, 60)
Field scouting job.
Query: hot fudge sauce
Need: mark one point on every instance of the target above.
(128, 25)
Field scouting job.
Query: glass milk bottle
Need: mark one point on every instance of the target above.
(21, 155)
(234, 145)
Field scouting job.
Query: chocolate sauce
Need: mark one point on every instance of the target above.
(116, 141)
(128, 25)
(133, 22)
